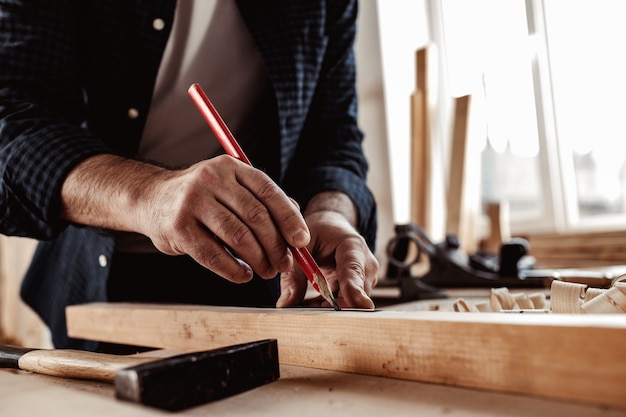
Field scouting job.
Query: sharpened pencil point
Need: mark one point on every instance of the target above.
(324, 290)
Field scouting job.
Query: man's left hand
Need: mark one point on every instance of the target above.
(343, 257)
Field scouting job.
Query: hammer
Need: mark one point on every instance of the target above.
(172, 383)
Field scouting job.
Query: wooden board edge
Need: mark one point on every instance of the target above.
(573, 358)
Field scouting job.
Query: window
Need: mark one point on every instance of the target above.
(585, 40)
(551, 76)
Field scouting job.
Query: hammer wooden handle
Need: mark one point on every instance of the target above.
(68, 363)
(169, 382)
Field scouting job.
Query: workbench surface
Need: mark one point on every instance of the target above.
(299, 392)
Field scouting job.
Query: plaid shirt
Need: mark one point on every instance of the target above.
(70, 71)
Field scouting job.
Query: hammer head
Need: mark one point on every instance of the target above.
(191, 379)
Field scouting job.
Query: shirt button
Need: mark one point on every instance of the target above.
(133, 113)
(158, 24)
(103, 261)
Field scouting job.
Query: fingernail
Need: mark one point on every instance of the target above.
(368, 303)
(247, 270)
(301, 238)
(282, 301)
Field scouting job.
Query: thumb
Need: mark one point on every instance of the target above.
(293, 286)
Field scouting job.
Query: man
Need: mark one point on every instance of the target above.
(107, 162)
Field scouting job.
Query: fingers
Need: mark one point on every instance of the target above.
(356, 273)
(352, 278)
(213, 255)
(225, 202)
(283, 210)
(293, 285)
(257, 220)
(250, 232)
(345, 260)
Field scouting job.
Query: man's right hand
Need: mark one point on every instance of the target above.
(194, 211)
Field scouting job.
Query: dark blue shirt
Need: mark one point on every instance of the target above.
(70, 70)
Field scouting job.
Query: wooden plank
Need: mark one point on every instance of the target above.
(605, 254)
(582, 244)
(578, 249)
(499, 229)
(458, 167)
(585, 242)
(578, 236)
(583, 263)
(420, 144)
(19, 325)
(463, 196)
(574, 358)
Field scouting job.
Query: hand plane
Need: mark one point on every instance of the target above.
(450, 267)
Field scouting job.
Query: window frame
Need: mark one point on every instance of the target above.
(560, 211)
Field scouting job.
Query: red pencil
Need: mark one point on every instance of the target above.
(232, 148)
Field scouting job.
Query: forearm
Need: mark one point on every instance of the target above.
(107, 190)
(198, 211)
(355, 195)
(334, 201)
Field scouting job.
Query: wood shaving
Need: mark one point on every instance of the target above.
(565, 298)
